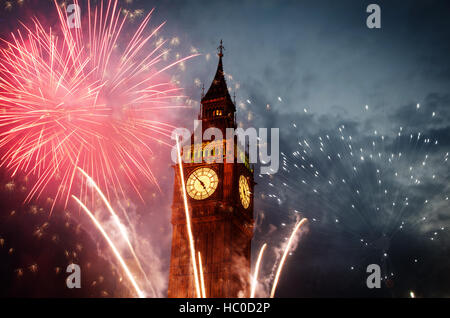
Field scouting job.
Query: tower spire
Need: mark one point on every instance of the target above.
(221, 48)
(218, 88)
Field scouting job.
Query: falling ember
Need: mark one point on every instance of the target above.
(113, 247)
(86, 97)
(188, 222)
(255, 275)
(283, 258)
(117, 221)
(370, 185)
(202, 278)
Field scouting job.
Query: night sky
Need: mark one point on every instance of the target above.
(378, 98)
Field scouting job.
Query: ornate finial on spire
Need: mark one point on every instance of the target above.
(221, 48)
(203, 90)
(234, 97)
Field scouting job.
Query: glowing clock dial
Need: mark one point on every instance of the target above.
(202, 183)
(244, 191)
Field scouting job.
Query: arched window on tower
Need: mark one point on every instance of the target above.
(217, 112)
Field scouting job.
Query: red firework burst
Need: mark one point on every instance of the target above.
(80, 97)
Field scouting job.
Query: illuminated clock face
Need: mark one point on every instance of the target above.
(244, 191)
(202, 183)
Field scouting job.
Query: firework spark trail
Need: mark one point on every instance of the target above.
(113, 247)
(388, 168)
(202, 279)
(133, 231)
(188, 222)
(255, 275)
(119, 225)
(80, 97)
(283, 258)
(370, 188)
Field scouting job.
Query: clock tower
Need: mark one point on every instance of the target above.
(220, 198)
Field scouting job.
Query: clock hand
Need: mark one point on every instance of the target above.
(201, 182)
